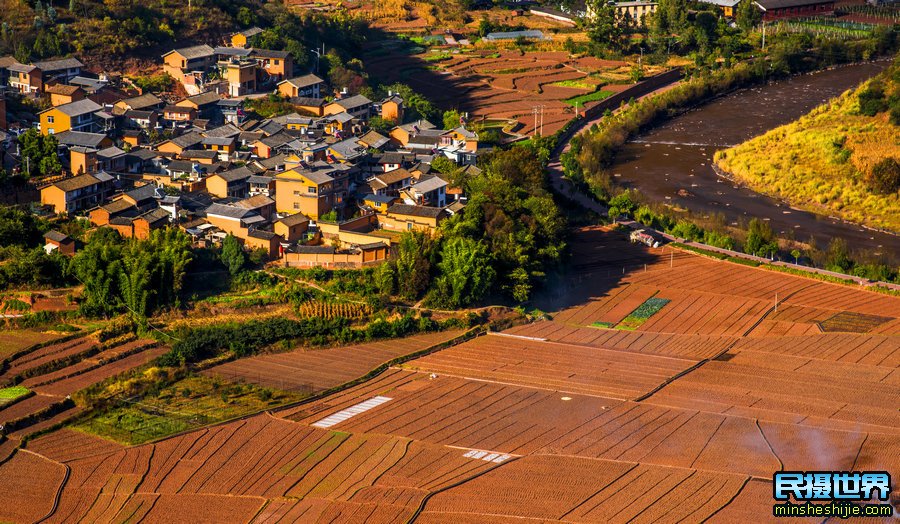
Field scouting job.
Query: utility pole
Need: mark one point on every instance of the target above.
(542, 120)
(764, 36)
(534, 111)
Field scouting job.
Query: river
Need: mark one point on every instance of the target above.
(672, 163)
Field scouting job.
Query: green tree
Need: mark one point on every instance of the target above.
(98, 266)
(386, 278)
(484, 27)
(452, 119)
(466, 272)
(415, 257)
(748, 15)
(19, 228)
(884, 177)
(837, 256)
(761, 239)
(602, 27)
(443, 165)
(233, 255)
(134, 282)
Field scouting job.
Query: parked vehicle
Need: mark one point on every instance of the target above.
(644, 237)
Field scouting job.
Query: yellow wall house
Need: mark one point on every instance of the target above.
(309, 193)
(77, 116)
(61, 94)
(242, 38)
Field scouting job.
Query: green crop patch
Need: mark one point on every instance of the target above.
(12, 393)
(642, 313)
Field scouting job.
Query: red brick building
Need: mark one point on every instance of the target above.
(781, 9)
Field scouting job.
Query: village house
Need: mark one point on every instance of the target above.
(61, 94)
(69, 139)
(78, 193)
(293, 227)
(314, 190)
(357, 106)
(176, 114)
(302, 86)
(145, 102)
(262, 185)
(431, 191)
(404, 217)
(59, 242)
(311, 105)
(392, 108)
(243, 38)
(274, 66)
(25, 79)
(75, 116)
(61, 70)
(190, 65)
(233, 183)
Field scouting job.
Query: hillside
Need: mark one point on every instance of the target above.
(828, 160)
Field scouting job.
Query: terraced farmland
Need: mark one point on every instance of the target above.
(684, 419)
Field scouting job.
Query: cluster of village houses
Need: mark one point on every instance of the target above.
(225, 171)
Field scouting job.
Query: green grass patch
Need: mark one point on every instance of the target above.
(437, 57)
(12, 393)
(589, 97)
(576, 84)
(642, 313)
(189, 403)
(604, 325)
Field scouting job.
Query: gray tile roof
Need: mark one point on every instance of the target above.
(224, 210)
(197, 51)
(79, 107)
(60, 63)
(303, 81)
(417, 211)
(80, 138)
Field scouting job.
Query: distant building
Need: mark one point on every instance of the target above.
(727, 6)
(530, 34)
(780, 9)
(636, 12)
(554, 14)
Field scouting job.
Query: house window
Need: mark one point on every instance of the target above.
(276, 62)
(409, 225)
(296, 205)
(50, 131)
(312, 189)
(296, 193)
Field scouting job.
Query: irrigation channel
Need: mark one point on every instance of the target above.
(672, 163)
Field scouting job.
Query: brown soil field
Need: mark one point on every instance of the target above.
(46, 355)
(559, 367)
(685, 419)
(28, 483)
(13, 340)
(503, 84)
(691, 347)
(588, 490)
(312, 370)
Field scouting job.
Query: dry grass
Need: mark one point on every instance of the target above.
(819, 161)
